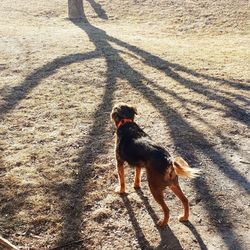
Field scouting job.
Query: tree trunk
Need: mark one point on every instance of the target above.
(75, 8)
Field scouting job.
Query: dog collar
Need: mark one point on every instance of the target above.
(123, 121)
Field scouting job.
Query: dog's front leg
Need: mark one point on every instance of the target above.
(120, 169)
(137, 180)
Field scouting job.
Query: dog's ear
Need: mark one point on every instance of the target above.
(128, 111)
(134, 110)
(113, 114)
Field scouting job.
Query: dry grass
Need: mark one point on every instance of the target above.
(184, 64)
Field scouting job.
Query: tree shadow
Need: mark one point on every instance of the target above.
(172, 69)
(19, 92)
(73, 195)
(162, 64)
(177, 125)
(98, 9)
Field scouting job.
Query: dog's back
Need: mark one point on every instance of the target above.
(135, 147)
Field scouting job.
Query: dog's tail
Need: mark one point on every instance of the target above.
(182, 168)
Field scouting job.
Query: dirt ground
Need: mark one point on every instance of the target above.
(183, 64)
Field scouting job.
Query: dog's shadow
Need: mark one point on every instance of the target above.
(168, 239)
(191, 227)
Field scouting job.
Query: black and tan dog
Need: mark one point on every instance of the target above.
(136, 148)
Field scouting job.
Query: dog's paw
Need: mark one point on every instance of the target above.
(183, 218)
(137, 186)
(120, 190)
(162, 223)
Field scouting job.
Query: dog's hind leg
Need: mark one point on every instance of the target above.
(137, 180)
(178, 192)
(159, 197)
(120, 169)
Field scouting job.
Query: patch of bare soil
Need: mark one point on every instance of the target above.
(183, 64)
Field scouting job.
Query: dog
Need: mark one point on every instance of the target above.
(136, 148)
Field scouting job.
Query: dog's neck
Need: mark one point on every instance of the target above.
(123, 121)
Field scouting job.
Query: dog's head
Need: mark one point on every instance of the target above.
(122, 111)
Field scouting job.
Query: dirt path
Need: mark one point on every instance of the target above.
(187, 72)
